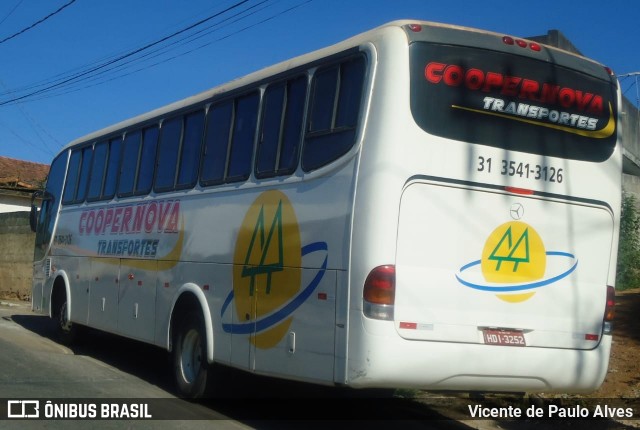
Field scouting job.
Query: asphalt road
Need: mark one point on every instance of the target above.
(110, 369)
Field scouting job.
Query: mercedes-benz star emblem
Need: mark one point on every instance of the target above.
(517, 211)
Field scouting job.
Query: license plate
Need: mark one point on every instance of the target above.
(503, 337)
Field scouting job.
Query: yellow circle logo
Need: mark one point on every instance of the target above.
(513, 253)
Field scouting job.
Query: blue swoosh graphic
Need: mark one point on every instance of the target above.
(519, 287)
(282, 313)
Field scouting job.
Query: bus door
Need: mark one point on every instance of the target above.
(295, 328)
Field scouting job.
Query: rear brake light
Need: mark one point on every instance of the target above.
(611, 304)
(522, 191)
(379, 293)
(609, 310)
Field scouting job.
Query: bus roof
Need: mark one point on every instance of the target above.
(429, 31)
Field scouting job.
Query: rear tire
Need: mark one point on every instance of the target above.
(191, 370)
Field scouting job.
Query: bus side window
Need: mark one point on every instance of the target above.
(97, 170)
(244, 130)
(147, 160)
(75, 189)
(190, 150)
(129, 167)
(72, 177)
(281, 127)
(216, 143)
(113, 167)
(83, 179)
(271, 129)
(336, 96)
(168, 150)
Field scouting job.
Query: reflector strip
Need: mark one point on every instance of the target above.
(409, 325)
(593, 337)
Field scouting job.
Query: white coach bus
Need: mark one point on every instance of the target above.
(421, 206)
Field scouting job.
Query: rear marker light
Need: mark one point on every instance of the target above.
(535, 47)
(508, 40)
(416, 28)
(409, 325)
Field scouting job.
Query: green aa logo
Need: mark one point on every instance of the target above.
(513, 253)
(259, 260)
(505, 250)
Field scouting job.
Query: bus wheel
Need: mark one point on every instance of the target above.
(190, 365)
(67, 331)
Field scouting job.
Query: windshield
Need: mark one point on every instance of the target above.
(511, 102)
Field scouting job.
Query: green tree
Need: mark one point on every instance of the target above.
(628, 273)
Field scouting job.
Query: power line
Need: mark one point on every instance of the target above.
(116, 67)
(24, 30)
(97, 68)
(11, 12)
(636, 75)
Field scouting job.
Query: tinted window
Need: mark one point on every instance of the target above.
(147, 160)
(85, 168)
(334, 112)
(97, 170)
(168, 150)
(129, 166)
(273, 110)
(511, 102)
(244, 130)
(50, 204)
(325, 83)
(113, 168)
(283, 109)
(72, 177)
(190, 151)
(216, 144)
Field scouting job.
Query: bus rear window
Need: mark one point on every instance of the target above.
(511, 102)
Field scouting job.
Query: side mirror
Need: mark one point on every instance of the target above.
(33, 216)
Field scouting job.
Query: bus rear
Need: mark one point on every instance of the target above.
(496, 253)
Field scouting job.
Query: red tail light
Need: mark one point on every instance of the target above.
(609, 312)
(380, 286)
(379, 293)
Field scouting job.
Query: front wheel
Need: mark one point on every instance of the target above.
(68, 332)
(191, 369)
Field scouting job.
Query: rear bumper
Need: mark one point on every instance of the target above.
(385, 360)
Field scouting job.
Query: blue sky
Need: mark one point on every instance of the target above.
(89, 33)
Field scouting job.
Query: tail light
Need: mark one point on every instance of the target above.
(609, 311)
(379, 293)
